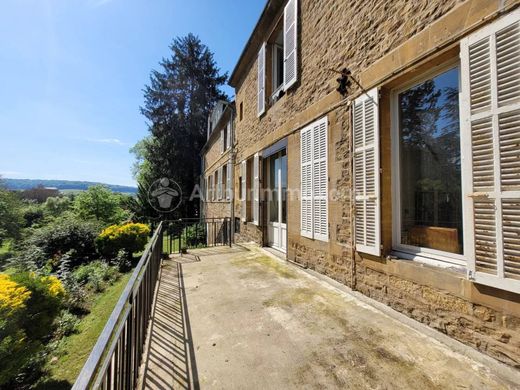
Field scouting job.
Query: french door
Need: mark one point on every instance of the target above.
(276, 171)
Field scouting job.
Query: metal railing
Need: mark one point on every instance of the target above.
(114, 362)
(191, 233)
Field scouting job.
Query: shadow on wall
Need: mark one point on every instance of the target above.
(170, 357)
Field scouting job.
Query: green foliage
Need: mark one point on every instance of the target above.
(32, 214)
(11, 218)
(29, 304)
(57, 205)
(100, 204)
(130, 237)
(66, 324)
(96, 276)
(49, 243)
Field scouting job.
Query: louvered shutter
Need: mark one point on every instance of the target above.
(261, 80)
(228, 135)
(490, 112)
(306, 182)
(256, 189)
(366, 173)
(212, 182)
(221, 140)
(319, 180)
(228, 180)
(243, 195)
(290, 44)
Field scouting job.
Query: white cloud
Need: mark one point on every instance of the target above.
(10, 173)
(111, 141)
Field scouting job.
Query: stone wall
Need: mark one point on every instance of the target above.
(361, 35)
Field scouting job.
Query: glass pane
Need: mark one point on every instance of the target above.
(284, 187)
(274, 165)
(431, 196)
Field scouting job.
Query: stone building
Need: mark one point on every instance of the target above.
(405, 184)
(217, 172)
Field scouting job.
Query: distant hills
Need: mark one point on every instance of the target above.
(62, 185)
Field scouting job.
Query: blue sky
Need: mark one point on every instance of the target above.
(72, 74)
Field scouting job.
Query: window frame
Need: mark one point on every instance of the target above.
(423, 254)
(274, 75)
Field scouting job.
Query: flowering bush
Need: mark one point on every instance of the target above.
(29, 304)
(12, 296)
(131, 237)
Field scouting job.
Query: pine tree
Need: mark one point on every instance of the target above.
(177, 103)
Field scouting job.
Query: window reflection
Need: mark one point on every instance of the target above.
(430, 170)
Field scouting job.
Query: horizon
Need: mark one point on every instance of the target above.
(73, 74)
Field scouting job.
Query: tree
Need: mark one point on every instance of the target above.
(177, 103)
(99, 203)
(11, 219)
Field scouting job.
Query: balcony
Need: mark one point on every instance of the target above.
(237, 317)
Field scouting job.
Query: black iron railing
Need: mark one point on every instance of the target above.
(184, 234)
(114, 362)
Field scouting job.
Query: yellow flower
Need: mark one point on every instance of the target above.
(12, 296)
(55, 286)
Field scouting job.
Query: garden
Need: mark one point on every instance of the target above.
(63, 265)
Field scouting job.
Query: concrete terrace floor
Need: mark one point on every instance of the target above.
(235, 318)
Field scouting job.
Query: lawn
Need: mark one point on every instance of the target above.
(75, 349)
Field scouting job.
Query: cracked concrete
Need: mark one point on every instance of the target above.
(241, 319)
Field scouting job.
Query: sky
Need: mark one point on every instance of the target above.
(72, 74)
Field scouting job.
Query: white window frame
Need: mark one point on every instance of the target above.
(275, 74)
(422, 254)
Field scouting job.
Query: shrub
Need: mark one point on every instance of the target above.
(59, 237)
(96, 275)
(29, 304)
(130, 237)
(66, 324)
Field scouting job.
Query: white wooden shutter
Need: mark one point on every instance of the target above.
(219, 183)
(290, 44)
(228, 180)
(306, 182)
(221, 140)
(320, 224)
(212, 184)
(490, 112)
(228, 135)
(256, 189)
(243, 195)
(261, 80)
(366, 173)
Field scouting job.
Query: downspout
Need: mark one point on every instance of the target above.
(352, 201)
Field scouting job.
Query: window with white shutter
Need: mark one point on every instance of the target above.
(221, 141)
(314, 181)
(261, 80)
(256, 189)
(228, 180)
(490, 112)
(219, 183)
(366, 173)
(243, 190)
(228, 135)
(290, 37)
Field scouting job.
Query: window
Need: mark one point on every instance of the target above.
(225, 138)
(224, 182)
(429, 209)
(277, 65)
(314, 181)
(216, 194)
(241, 110)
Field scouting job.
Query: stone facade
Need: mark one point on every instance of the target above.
(216, 155)
(383, 43)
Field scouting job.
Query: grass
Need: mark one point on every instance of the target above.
(74, 350)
